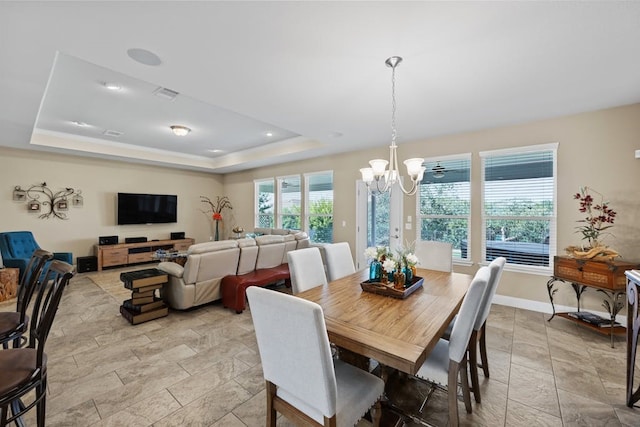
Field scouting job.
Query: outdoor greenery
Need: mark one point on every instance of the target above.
(265, 210)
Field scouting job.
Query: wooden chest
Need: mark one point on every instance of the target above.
(8, 283)
(608, 275)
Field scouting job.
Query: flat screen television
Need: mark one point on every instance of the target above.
(147, 208)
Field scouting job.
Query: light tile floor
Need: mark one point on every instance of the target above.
(201, 368)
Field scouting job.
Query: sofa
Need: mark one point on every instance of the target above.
(224, 269)
(17, 247)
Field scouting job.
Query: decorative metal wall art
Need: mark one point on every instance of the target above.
(41, 197)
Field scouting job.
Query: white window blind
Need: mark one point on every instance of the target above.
(444, 203)
(519, 205)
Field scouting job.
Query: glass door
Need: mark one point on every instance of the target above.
(378, 220)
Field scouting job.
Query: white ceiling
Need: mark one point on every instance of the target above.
(312, 73)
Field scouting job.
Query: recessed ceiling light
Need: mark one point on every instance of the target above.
(268, 134)
(180, 130)
(79, 124)
(112, 86)
(144, 56)
(114, 133)
(215, 150)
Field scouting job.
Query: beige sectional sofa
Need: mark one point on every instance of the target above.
(200, 280)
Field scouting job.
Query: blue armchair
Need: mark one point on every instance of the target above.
(17, 247)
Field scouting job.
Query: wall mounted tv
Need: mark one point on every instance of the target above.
(147, 208)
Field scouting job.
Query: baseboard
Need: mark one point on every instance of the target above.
(545, 307)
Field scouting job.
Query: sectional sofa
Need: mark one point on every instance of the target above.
(224, 269)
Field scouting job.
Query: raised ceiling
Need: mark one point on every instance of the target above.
(264, 82)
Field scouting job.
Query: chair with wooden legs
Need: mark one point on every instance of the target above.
(306, 269)
(303, 382)
(478, 335)
(448, 360)
(14, 324)
(23, 370)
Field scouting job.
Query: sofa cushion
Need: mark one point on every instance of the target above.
(248, 255)
(200, 248)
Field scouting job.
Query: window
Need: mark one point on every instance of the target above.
(444, 203)
(289, 202)
(265, 198)
(319, 206)
(519, 206)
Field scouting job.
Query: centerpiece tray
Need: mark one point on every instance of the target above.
(388, 290)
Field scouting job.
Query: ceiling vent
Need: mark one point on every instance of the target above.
(165, 93)
(113, 133)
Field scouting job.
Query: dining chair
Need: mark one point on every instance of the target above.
(339, 260)
(448, 360)
(435, 255)
(304, 383)
(13, 324)
(306, 269)
(478, 335)
(25, 369)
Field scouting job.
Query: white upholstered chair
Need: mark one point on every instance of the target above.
(306, 269)
(435, 255)
(339, 261)
(448, 359)
(303, 382)
(478, 335)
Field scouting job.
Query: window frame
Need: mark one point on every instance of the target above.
(256, 192)
(279, 204)
(307, 204)
(419, 216)
(553, 219)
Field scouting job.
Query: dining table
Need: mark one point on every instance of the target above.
(397, 333)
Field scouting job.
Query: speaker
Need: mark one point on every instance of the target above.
(135, 239)
(108, 240)
(177, 235)
(87, 263)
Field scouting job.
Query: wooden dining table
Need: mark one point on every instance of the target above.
(397, 333)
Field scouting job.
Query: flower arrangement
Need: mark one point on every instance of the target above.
(599, 217)
(385, 266)
(216, 209)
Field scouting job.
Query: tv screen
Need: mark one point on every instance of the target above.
(147, 208)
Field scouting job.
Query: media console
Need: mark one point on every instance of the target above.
(135, 253)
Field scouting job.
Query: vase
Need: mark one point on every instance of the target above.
(217, 235)
(408, 274)
(375, 271)
(398, 279)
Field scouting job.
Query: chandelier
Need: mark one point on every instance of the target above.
(378, 170)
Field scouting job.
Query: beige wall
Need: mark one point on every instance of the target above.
(595, 149)
(100, 181)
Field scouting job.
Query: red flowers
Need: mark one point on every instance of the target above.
(598, 216)
(217, 216)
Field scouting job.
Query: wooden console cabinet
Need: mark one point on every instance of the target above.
(134, 253)
(606, 277)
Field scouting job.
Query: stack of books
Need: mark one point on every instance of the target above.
(592, 319)
(143, 305)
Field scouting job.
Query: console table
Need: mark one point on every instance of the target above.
(607, 277)
(633, 330)
(134, 253)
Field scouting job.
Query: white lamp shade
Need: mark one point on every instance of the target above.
(378, 166)
(422, 169)
(367, 175)
(414, 167)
